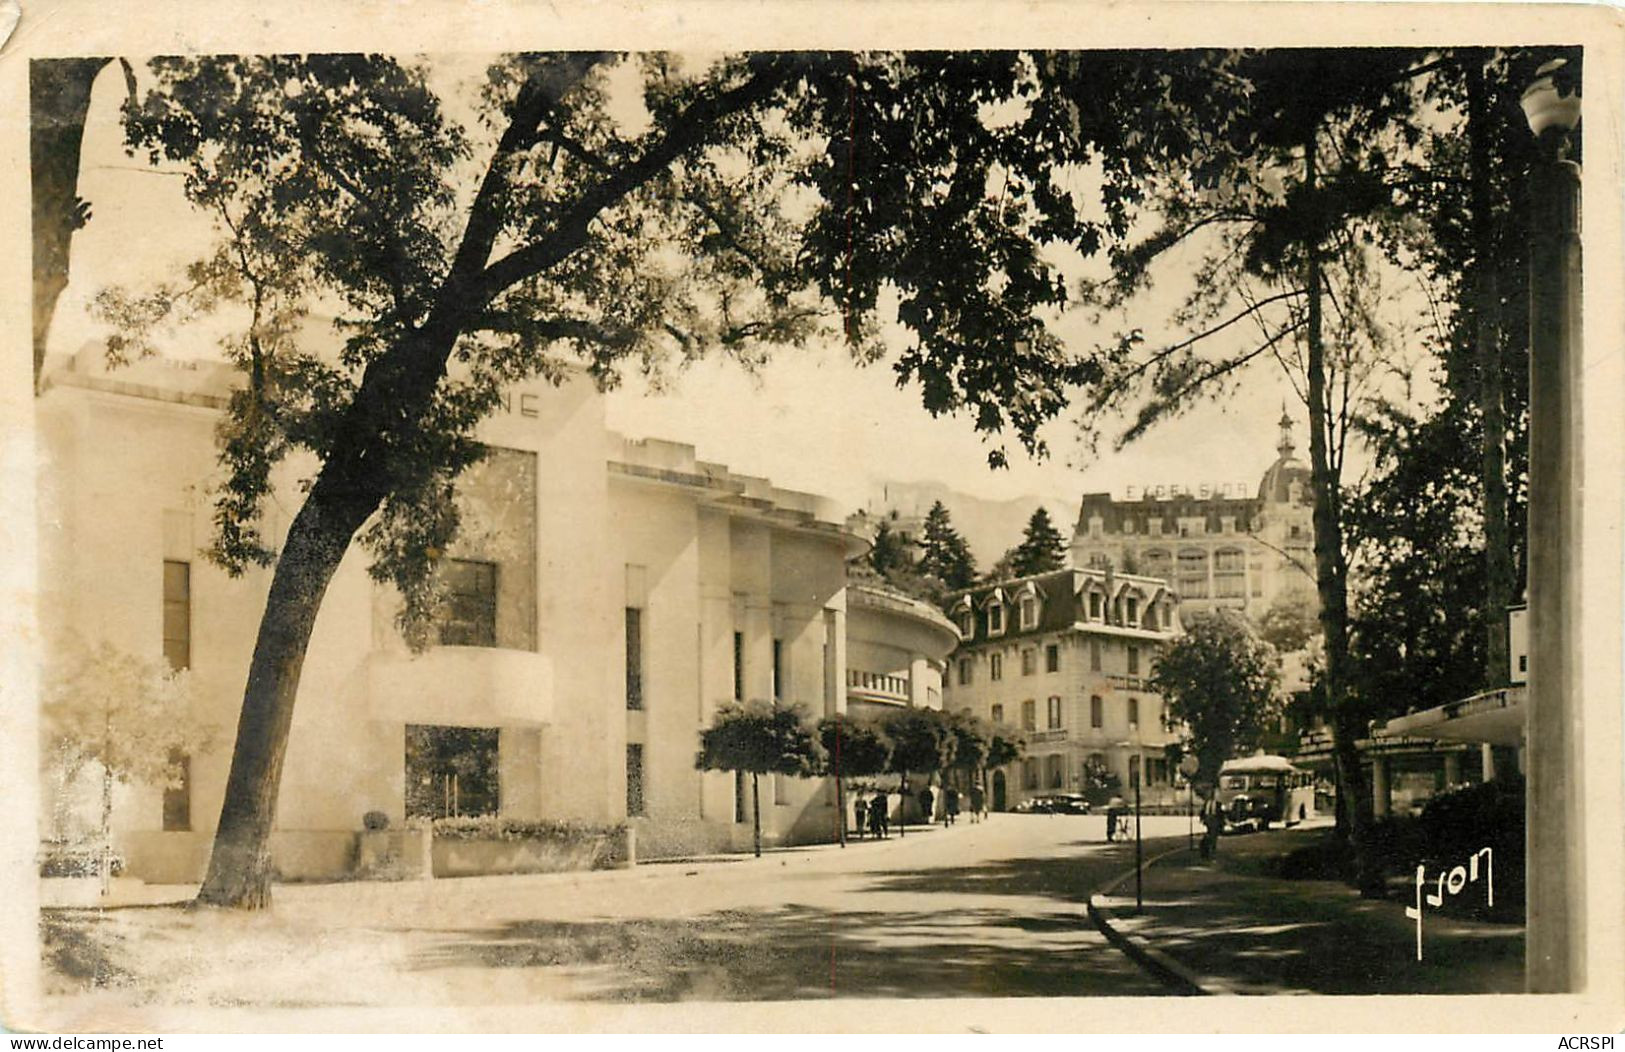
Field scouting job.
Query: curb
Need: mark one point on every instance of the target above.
(1139, 949)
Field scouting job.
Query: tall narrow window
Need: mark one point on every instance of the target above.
(1054, 713)
(778, 670)
(1133, 660)
(739, 666)
(1134, 712)
(995, 666)
(1029, 661)
(1052, 658)
(634, 778)
(178, 794)
(1097, 712)
(468, 613)
(1029, 715)
(998, 714)
(995, 619)
(634, 658)
(964, 671)
(178, 614)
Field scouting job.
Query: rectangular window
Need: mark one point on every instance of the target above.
(1029, 662)
(178, 794)
(995, 619)
(1133, 661)
(739, 666)
(998, 714)
(1054, 713)
(1094, 606)
(1134, 712)
(965, 671)
(178, 614)
(1094, 655)
(778, 670)
(468, 611)
(634, 658)
(1029, 613)
(1097, 712)
(634, 778)
(1054, 765)
(1029, 773)
(1133, 611)
(995, 666)
(1029, 716)
(1052, 658)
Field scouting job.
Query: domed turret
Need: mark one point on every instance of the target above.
(1276, 487)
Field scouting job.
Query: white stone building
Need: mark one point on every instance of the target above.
(606, 596)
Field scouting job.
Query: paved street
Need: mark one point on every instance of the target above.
(988, 910)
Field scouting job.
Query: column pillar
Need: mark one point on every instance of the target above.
(1486, 756)
(1379, 787)
(1452, 769)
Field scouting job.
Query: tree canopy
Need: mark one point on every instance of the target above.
(1042, 548)
(1219, 681)
(944, 553)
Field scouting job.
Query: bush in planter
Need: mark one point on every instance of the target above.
(496, 827)
(375, 821)
(61, 858)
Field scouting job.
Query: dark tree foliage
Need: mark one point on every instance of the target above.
(1219, 681)
(889, 551)
(1005, 745)
(1042, 548)
(760, 737)
(921, 743)
(944, 553)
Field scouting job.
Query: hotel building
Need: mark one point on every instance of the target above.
(1064, 657)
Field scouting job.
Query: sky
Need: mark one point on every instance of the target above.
(810, 419)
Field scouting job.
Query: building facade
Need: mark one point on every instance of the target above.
(1218, 548)
(1065, 658)
(897, 651)
(603, 597)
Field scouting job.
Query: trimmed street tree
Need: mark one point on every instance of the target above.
(1219, 681)
(921, 743)
(972, 738)
(1005, 745)
(853, 748)
(760, 738)
(555, 239)
(1042, 549)
(129, 716)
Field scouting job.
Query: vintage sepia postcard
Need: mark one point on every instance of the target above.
(812, 517)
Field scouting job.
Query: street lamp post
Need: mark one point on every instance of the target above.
(1555, 881)
(1136, 772)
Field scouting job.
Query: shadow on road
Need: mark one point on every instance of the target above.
(798, 951)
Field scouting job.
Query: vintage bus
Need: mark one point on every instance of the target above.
(1260, 790)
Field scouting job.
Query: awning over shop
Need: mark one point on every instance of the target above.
(1495, 717)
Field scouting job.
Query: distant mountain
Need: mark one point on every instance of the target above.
(990, 527)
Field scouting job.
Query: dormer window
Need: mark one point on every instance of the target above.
(1096, 606)
(995, 618)
(1132, 610)
(967, 623)
(1029, 612)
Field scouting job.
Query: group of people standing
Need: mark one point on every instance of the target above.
(873, 811)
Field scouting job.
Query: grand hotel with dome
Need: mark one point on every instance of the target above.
(1225, 551)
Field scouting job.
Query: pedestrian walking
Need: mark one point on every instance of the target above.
(877, 815)
(858, 815)
(1111, 824)
(977, 800)
(950, 806)
(925, 805)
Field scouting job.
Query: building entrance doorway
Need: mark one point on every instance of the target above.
(998, 790)
(451, 771)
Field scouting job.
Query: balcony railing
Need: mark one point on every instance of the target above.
(1040, 737)
(878, 685)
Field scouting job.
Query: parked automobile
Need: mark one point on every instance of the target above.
(1054, 804)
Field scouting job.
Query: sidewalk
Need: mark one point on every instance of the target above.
(126, 892)
(1229, 927)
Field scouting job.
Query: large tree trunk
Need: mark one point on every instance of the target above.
(1331, 570)
(239, 873)
(1498, 585)
(59, 99)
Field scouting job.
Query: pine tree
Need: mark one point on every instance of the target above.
(1041, 549)
(946, 556)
